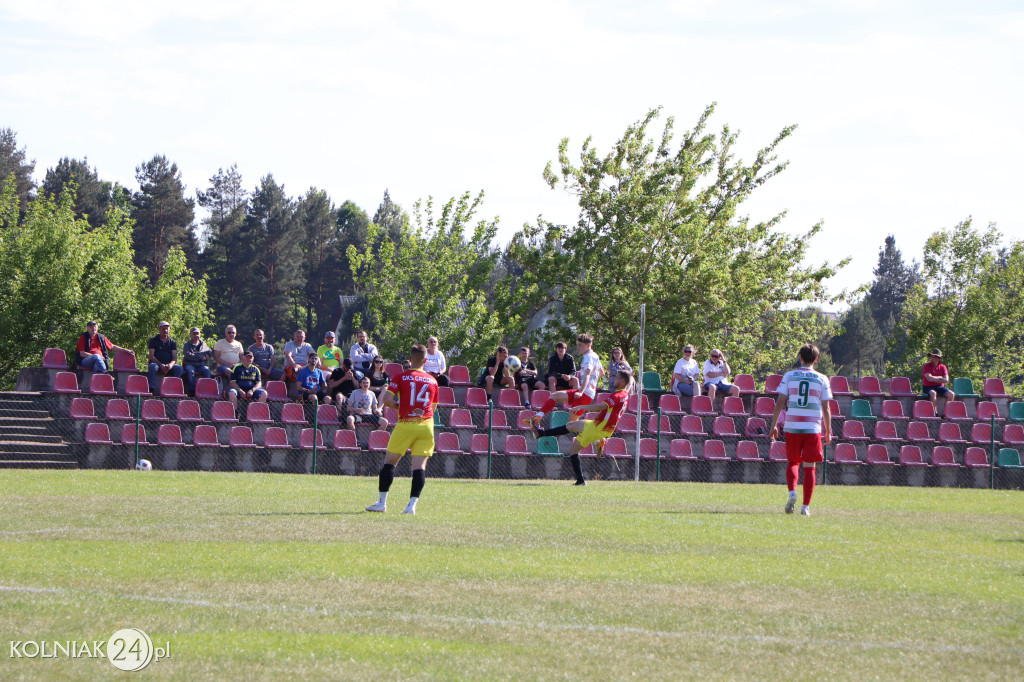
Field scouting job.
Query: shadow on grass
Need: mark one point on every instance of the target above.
(714, 511)
(308, 513)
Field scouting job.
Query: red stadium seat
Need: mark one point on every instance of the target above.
(379, 441)
(669, 404)
(241, 437)
(327, 415)
(771, 383)
(987, 411)
(777, 452)
(942, 456)
(690, 425)
(458, 375)
(602, 397)
(846, 453)
(1013, 434)
(649, 448)
(153, 410)
(170, 434)
(66, 382)
(834, 411)
(956, 411)
(509, 399)
(976, 458)
(653, 425)
(258, 413)
(523, 419)
(55, 358)
(840, 386)
(994, 388)
(854, 430)
(292, 413)
(172, 387)
(893, 410)
(615, 448)
(306, 437)
(745, 382)
(476, 398)
(925, 411)
(478, 445)
(764, 407)
(82, 408)
(732, 406)
(345, 441)
(917, 432)
(702, 406)
(446, 396)
(756, 428)
(869, 387)
(207, 389)
(97, 434)
(910, 456)
(129, 434)
(627, 423)
(448, 444)
(746, 451)
(714, 450)
(393, 369)
(137, 384)
(125, 362)
(102, 384)
(981, 434)
(391, 414)
(538, 398)
(223, 412)
(119, 410)
(499, 421)
(899, 387)
(680, 448)
(725, 427)
(515, 446)
(277, 392)
(205, 436)
(645, 405)
(879, 454)
(276, 438)
(950, 433)
(886, 431)
(461, 419)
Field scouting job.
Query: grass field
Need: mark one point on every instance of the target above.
(253, 576)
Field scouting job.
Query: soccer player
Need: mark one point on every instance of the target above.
(593, 430)
(808, 423)
(589, 373)
(413, 393)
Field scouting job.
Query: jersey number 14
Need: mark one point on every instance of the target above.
(419, 395)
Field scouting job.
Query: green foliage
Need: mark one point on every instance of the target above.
(163, 216)
(858, 350)
(14, 162)
(221, 258)
(93, 197)
(431, 282)
(658, 224)
(893, 281)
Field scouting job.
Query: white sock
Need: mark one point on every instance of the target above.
(792, 494)
(383, 498)
(413, 501)
(805, 507)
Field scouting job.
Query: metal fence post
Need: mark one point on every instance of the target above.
(657, 454)
(490, 433)
(992, 452)
(138, 422)
(316, 432)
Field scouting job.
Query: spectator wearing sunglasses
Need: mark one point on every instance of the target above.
(716, 376)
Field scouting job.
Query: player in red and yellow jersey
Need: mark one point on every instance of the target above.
(593, 430)
(413, 393)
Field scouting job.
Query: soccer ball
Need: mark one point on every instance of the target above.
(144, 465)
(513, 364)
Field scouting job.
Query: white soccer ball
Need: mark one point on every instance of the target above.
(144, 465)
(512, 364)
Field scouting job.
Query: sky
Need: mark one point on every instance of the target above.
(910, 115)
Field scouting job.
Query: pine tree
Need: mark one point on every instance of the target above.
(93, 197)
(227, 202)
(163, 216)
(14, 161)
(893, 282)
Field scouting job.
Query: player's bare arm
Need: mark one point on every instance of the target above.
(389, 400)
(780, 404)
(826, 423)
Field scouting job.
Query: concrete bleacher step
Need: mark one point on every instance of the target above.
(29, 436)
(38, 464)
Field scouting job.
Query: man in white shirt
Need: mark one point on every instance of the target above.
(716, 375)
(591, 369)
(227, 353)
(295, 354)
(686, 375)
(362, 353)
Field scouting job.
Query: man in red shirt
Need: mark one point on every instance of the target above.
(934, 378)
(93, 349)
(413, 393)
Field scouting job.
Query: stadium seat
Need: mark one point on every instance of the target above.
(925, 411)
(379, 441)
(170, 435)
(745, 382)
(725, 427)
(886, 431)
(499, 420)
(681, 448)
(82, 408)
(446, 396)
(509, 399)
(910, 456)
(125, 362)
(771, 384)
(461, 419)
(869, 387)
(523, 418)
(207, 389)
(854, 430)
(764, 407)
(691, 425)
(153, 410)
(987, 411)
(258, 413)
(205, 436)
(1009, 458)
(118, 410)
(101, 384)
(476, 398)
(276, 438)
(669, 404)
(917, 432)
(447, 444)
(277, 392)
(559, 419)
(538, 398)
(899, 387)
(292, 413)
(645, 405)
(1017, 412)
(746, 451)
(981, 434)
(893, 411)
(964, 388)
(994, 388)
(654, 426)
(942, 456)
(1013, 434)
(840, 386)
(602, 397)
(478, 445)
(777, 452)
(55, 358)
(834, 411)
(129, 434)
(627, 423)
(391, 414)
(306, 438)
(393, 369)
(950, 433)
(548, 445)
(714, 451)
(976, 458)
(878, 454)
(615, 448)
(97, 434)
(172, 387)
(515, 446)
(137, 384)
(327, 415)
(956, 411)
(756, 428)
(345, 441)
(651, 383)
(241, 437)
(649, 448)
(861, 409)
(66, 382)
(702, 405)
(458, 375)
(223, 412)
(732, 406)
(846, 453)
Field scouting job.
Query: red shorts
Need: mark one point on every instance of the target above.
(577, 399)
(803, 447)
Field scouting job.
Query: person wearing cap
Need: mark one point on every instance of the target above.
(686, 374)
(93, 349)
(934, 377)
(716, 376)
(227, 353)
(163, 357)
(195, 355)
(362, 352)
(246, 383)
(329, 354)
(264, 356)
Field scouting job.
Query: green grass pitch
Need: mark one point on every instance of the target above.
(253, 576)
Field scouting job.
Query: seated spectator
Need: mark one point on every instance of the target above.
(406, 365)
(362, 353)
(329, 354)
(686, 375)
(435, 364)
(363, 408)
(312, 385)
(295, 353)
(379, 379)
(934, 377)
(245, 382)
(561, 373)
(617, 363)
(264, 357)
(343, 380)
(195, 354)
(526, 378)
(227, 353)
(716, 375)
(495, 373)
(93, 349)
(163, 357)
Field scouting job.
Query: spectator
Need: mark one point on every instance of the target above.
(245, 382)
(195, 354)
(329, 354)
(363, 408)
(362, 353)
(686, 375)
(934, 377)
(295, 353)
(435, 365)
(264, 356)
(227, 353)
(561, 374)
(312, 386)
(716, 375)
(526, 378)
(406, 365)
(379, 379)
(343, 380)
(93, 349)
(163, 357)
(617, 363)
(495, 372)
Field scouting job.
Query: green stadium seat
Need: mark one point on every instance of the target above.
(1009, 458)
(548, 446)
(861, 409)
(652, 383)
(1017, 412)
(964, 388)
(559, 419)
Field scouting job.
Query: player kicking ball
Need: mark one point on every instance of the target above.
(413, 393)
(808, 424)
(593, 430)
(590, 372)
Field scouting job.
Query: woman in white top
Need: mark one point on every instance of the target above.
(435, 364)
